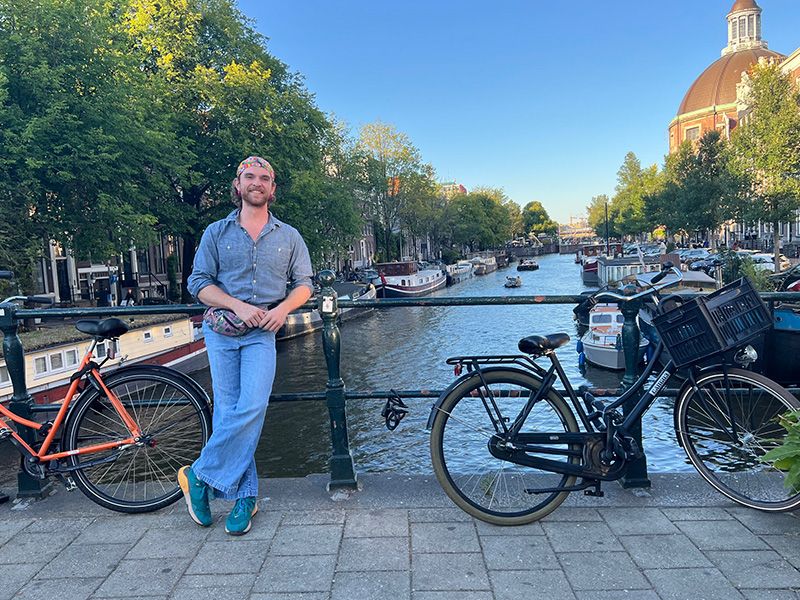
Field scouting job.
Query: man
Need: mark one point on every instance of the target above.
(243, 264)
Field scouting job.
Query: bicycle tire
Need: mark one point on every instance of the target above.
(735, 468)
(468, 472)
(143, 478)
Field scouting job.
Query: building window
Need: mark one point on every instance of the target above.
(56, 362)
(103, 348)
(71, 357)
(4, 378)
(751, 25)
(742, 27)
(40, 365)
(168, 331)
(147, 336)
(735, 30)
(692, 134)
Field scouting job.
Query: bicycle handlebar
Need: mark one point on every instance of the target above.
(651, 288)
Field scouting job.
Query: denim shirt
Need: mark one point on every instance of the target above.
(255, 272)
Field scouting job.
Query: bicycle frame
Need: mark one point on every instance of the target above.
(86, 367)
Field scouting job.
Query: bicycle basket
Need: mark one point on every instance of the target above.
(707, 325)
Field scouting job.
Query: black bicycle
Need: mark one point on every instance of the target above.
(507, 448)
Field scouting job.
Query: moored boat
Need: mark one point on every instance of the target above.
(307, 321)
(406, 280)
(484, 264)
(602, 343)
(461, 271)
(527, 264)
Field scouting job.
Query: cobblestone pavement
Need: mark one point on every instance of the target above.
(400, 538)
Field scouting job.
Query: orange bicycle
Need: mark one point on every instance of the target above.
(122, 441)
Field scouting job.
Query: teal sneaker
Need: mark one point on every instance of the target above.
(196, 494)
(241, 518)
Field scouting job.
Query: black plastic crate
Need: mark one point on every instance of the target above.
(707, 325)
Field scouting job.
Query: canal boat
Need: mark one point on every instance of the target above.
(54, 352)
(461, 271)
(406, 280)
(589, 255)
(484, 264)
(305, 321)
(602, 343)
(513, 282)
(527, 264)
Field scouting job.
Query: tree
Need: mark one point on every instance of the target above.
(83, 147)
(536, 220)
(633, 184)
(392, 165)
(597, 213)
(765, 150)
(693, 191)
(225, 97)
(481, 220)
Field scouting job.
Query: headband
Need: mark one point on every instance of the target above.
(254, 161)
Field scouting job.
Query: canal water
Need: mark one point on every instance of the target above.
(406, 348)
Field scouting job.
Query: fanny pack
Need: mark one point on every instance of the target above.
(225, 322)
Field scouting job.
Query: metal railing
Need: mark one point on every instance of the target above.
(342, 470)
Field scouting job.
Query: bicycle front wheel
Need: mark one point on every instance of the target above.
(726, 425)
(175, 421)
(486, 487)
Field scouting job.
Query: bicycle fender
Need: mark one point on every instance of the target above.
(462, 379)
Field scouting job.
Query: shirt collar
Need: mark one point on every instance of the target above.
(273, 220)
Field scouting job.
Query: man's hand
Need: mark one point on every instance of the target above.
(274, 319)
(251, 315)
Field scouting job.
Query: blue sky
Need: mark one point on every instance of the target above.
(542, 98)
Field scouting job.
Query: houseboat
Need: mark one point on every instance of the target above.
(588, 256)
(406, 280)
(461, 271)
(484, 264)
(54, 352)
(305, 321)
(527, 264)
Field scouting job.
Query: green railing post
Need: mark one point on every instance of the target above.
(343, 474)
(21, 401)
(636, 473)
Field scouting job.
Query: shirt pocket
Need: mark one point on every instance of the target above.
(234, 256)
(277, 260)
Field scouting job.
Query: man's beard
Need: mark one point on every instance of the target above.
(253, 199)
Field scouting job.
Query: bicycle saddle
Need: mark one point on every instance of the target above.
(107, 328)
(538, 344)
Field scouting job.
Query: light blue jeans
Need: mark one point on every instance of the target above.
(242, 372)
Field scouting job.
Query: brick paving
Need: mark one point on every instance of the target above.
(400, 538)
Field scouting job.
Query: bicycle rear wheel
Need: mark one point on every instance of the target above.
(175, 420)
(487, 487)
(727, 425)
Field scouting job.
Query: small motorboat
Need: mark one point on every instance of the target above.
(513, 282)
(527, 264)
(601, 345)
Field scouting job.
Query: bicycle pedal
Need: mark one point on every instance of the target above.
(69, 482)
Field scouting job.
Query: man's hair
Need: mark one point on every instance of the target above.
(236, 197)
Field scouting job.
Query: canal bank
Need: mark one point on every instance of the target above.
(399, 538)
(406, 348)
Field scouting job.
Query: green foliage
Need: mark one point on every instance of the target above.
(597, 217)
(693, 192)
(787, 456)
(536, 220)
(765, 150)
(481, 219)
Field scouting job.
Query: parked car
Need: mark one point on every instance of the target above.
(695, 254)
(764, 257)
(707, 265)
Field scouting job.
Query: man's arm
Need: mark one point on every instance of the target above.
(212, 295)
(275, 318)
